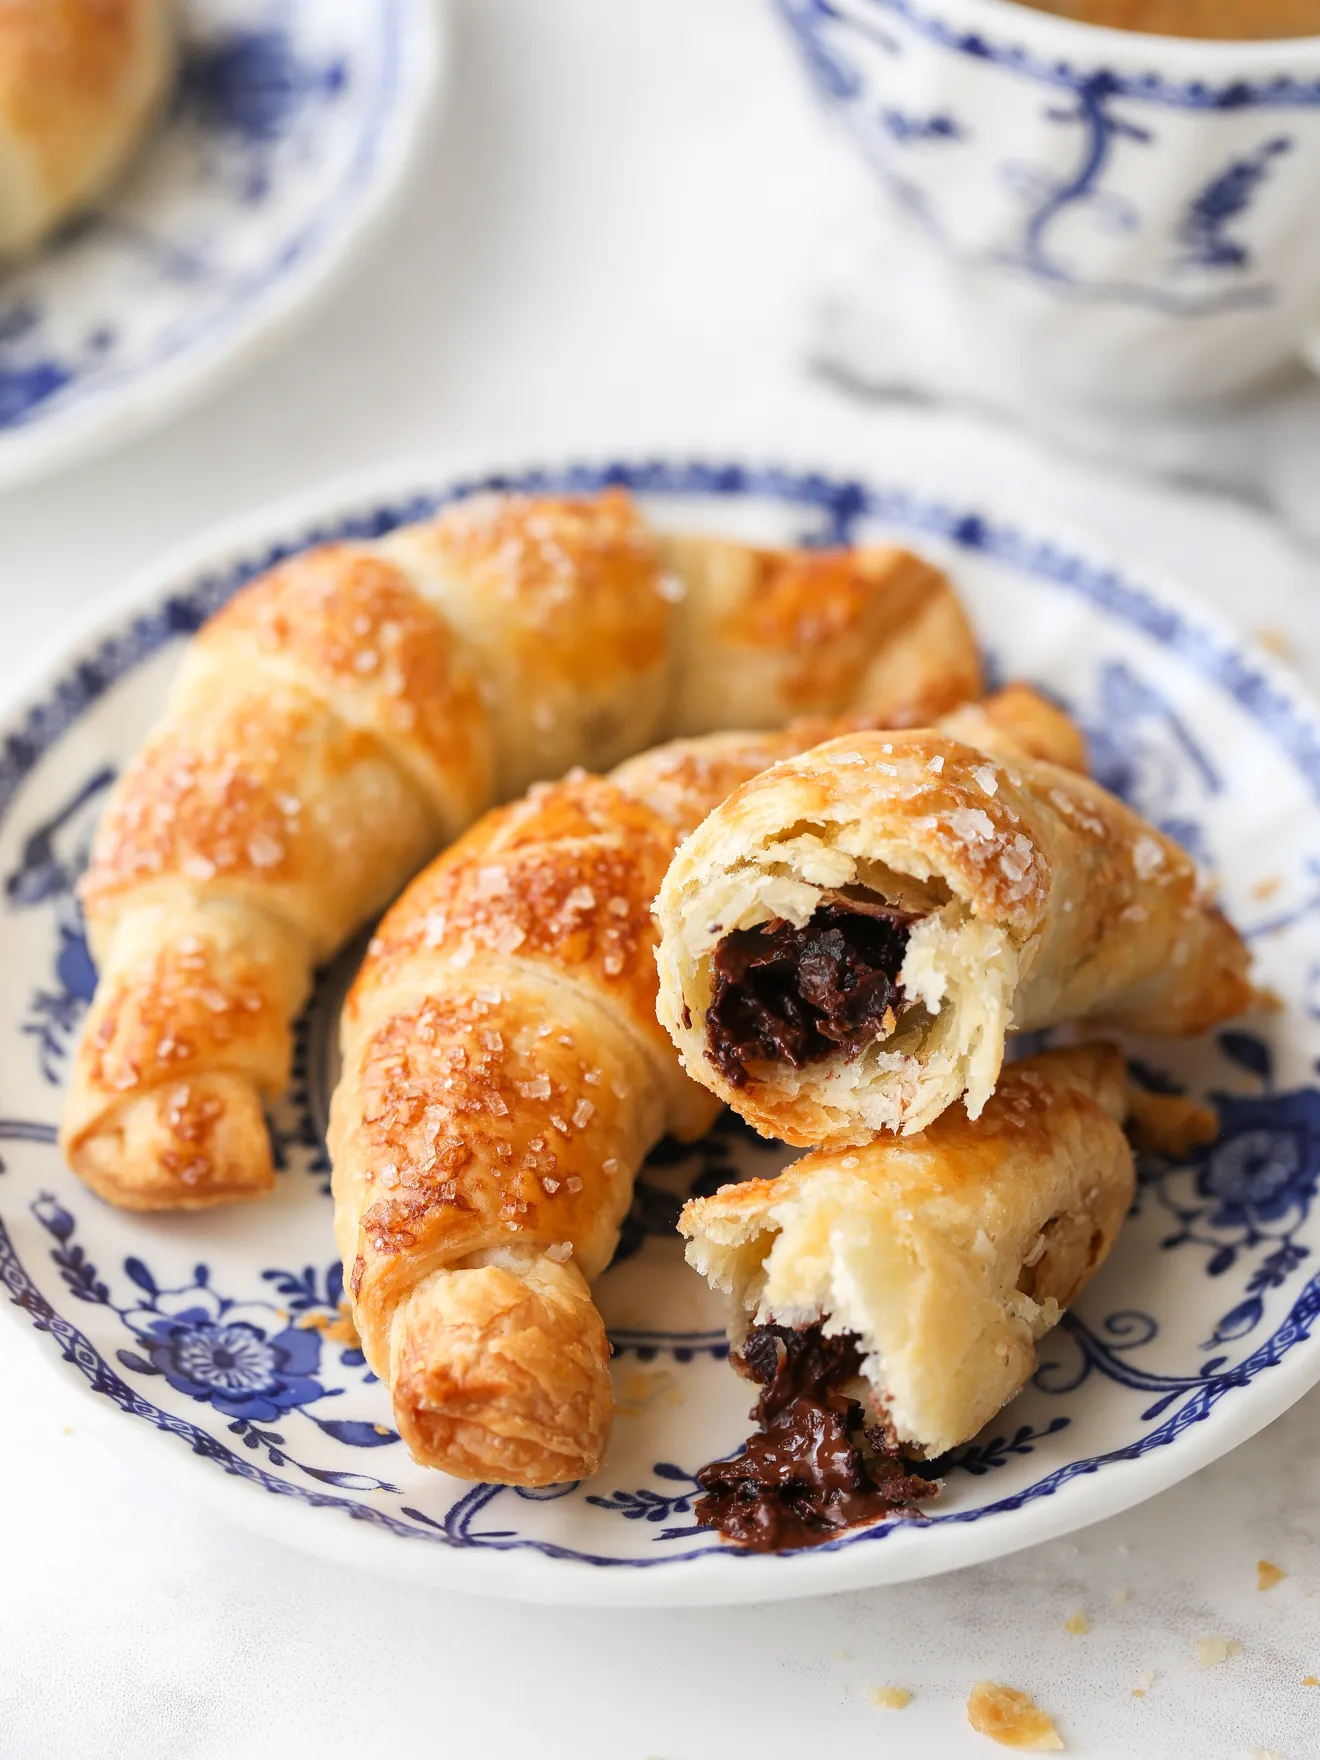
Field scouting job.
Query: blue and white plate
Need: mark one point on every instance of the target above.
(291, 125)
(213, 1344)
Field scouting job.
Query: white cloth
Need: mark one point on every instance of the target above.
(616, 243)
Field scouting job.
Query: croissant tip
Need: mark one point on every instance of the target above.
(503, 1376)
(194, 1144)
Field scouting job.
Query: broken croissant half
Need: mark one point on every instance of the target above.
(889, 1297)
(848, 938)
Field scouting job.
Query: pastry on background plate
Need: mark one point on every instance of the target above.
(80, 83)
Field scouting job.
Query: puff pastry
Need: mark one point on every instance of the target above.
(80, 81)
(848, 938)
(347, 715)
(504, 1075)
(941, 1258)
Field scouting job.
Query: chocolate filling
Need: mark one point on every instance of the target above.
(814, 1466)
(787, 995)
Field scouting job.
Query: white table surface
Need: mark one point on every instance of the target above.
(615, 241)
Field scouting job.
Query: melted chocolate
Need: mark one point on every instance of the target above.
(814, 1466)
(787, 995)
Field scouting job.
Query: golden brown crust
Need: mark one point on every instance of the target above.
(948, 1253)
(769, 634)
(506, 1376)
(79, 82)
(1020, 723)
(562, 603)
(685, 779)
(350, 625)
(181, 1145)
(1041, 898)
(562, 879)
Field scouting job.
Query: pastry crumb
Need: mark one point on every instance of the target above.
(1138, 1692)
(1011, 1718)
(891, 1698)
(1267, 1574)
(1267, 887)
(1275, 641)
(1077, 1624)
(1212, 1651)
(66, 1429)
(1169, 1124)
(1120, 1596)
(1311, 1680)
(647, 1388)
(335, 1328)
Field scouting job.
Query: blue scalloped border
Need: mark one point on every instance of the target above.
(840, 502)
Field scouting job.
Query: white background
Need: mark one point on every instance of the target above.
(620, 236)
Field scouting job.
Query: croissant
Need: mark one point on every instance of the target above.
(903, 1284)
(80, 80)
(504, 1076)
(847, 939)
(354, 710)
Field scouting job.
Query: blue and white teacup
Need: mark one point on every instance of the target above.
(1120, 218)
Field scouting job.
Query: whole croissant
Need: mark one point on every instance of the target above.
(504, 1076)
(352, 711)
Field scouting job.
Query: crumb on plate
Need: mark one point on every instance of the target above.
(645, 1388)
(1169, 1124)
(1211, 1651)
(334, 1328)
(891, 1698)
(1267, 1574)
(1275, 641)
(1011, 1718)
(1077, 1624)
